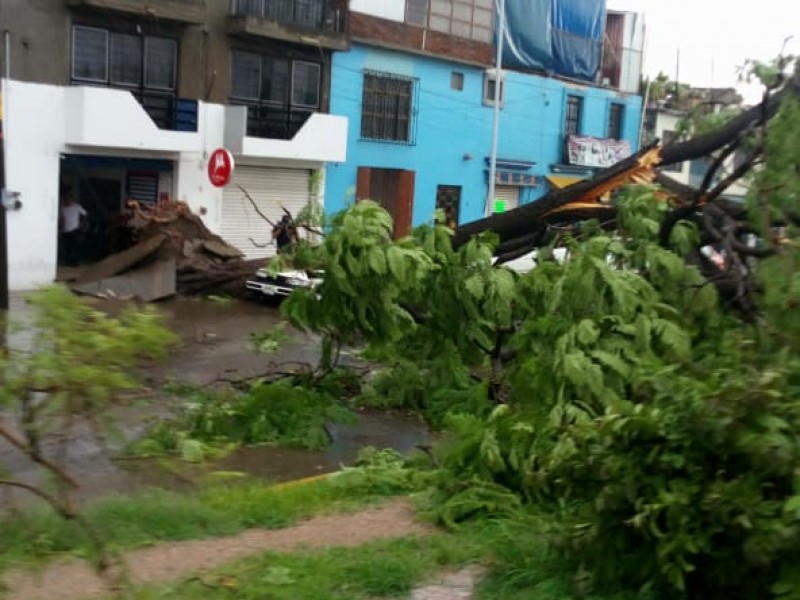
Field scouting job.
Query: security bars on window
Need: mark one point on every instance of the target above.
(388, 108)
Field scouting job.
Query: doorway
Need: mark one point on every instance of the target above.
(393, 189)
(448, 200)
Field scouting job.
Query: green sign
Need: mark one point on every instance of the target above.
(499, 205)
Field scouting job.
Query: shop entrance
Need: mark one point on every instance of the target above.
(103, 188)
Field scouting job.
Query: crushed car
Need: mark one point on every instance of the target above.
(265, 284)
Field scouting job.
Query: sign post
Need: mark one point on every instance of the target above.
(220, 167)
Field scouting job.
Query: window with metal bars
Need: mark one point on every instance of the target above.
(616, 113)
(387, 111)
(572, 122)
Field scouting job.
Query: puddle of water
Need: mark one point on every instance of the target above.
(382, 430)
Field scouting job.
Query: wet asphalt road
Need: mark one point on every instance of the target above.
(214, 344)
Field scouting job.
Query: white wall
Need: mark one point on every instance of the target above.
(114, 119)
(394, 10)
(669, 122)
(323, 138)
(34, 118)
(191, 170)
(42, 122)
(632, 52)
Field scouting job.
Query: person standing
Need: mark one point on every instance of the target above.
(285, 234)
(72, 223)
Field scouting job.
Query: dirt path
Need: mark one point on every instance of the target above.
(172, 561)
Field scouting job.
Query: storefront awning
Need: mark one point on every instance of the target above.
(561, 181)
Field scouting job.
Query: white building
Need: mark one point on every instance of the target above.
(74, 134)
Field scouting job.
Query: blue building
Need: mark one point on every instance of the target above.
(420, 126)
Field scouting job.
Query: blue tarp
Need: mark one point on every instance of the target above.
(559, 36)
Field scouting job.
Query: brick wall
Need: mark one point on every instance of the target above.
(392, 34)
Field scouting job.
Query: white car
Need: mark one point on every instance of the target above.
(281, 284)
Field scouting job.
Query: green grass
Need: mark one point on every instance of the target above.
(126, 522)
(519, 566)
(385, 569)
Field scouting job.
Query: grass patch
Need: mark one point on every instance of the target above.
(385, 569)
(524, 565)
(132, 521)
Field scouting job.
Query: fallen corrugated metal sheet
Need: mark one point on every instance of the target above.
(152, 282)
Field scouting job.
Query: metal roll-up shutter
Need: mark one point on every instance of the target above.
(509, 193)
(269, 187)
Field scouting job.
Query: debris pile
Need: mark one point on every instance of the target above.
(174, 253)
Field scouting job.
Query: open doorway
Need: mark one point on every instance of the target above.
(99, 190)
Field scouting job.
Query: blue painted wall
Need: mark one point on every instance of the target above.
(451, 124)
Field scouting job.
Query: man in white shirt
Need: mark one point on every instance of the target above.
(72, 223)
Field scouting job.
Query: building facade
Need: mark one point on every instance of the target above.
(119, 100)
(417, 88)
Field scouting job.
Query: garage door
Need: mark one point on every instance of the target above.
(509, 193)
(269, 188)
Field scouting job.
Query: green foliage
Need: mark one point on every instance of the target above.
(365, 275)
(283, 412)
(270, 341)
(383, 472)
(78, 356)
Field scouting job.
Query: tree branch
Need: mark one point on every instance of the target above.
(20, 444)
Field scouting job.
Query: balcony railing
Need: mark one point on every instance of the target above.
(311, 14)
(168, 112)
(278, 123)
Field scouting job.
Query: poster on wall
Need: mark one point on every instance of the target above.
(588, 151)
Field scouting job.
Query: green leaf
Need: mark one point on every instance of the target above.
(377, 260)
(612, 362)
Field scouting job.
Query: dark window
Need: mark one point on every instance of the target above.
(145, 65)
(305, 84)
(387, 108)
(280, 93)
(126, 60)
(667, 138)
(159, 63)
(490, 88)
(448, 200)
(616, 113)
(306, 13)
(90, 54)
(456, 81)
(417, 12)
(572, 123)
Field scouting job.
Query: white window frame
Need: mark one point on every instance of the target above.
(260, 69)
(75, 28)
(491, 75)
(318, 66)
(174, 65)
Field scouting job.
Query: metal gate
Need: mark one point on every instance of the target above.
(509, 193)
(270, 188)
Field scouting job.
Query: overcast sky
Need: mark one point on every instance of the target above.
(714, 36)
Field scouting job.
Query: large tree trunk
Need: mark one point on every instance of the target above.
(526, 227)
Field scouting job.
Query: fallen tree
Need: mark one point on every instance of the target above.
(721, 223)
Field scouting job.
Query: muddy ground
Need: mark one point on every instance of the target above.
(215, 344)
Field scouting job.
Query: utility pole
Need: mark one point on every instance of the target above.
(498, 82)
(4, 300)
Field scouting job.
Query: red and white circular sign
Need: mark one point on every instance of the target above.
(220, 167)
